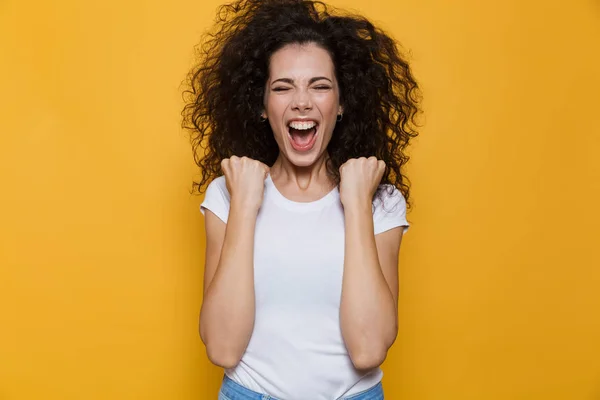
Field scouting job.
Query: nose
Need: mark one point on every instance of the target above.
(301, 100)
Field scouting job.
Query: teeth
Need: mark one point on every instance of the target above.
(303, 125)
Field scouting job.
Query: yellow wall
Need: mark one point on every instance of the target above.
(101, 244)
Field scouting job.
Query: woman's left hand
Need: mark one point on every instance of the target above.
(359, 179)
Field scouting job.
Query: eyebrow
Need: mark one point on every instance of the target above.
(312, 80)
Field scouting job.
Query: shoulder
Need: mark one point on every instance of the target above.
(217, 198)
(389, 209)
(389, 199)
(218, 184)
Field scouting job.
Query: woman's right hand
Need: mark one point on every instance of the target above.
(245, 179)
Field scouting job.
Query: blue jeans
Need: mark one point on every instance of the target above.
(231, 390)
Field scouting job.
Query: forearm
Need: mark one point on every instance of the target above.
(227, 315)
(368, 313)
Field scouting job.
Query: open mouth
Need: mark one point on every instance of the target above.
(303, 134)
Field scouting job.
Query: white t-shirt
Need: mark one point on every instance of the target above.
(296, 351)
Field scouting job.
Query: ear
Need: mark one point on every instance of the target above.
(263, 114)
(340, 110)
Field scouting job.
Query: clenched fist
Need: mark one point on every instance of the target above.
(359, 179)
(245, 179)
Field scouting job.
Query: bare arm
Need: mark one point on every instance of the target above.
(368, 312)
(227, 314)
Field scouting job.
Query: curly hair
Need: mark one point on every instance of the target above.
(225, 88)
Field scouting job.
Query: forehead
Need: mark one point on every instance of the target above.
(301, 61)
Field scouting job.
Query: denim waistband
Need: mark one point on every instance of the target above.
(231, 390)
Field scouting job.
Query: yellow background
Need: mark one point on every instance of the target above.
(101, 244)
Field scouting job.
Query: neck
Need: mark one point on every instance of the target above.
(302, 177)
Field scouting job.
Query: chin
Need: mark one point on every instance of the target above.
(303, 160)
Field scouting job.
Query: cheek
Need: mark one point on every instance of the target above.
(276, 104)
(328, 104)
(275, 111)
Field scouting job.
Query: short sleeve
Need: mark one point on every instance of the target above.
(217, 199)
(390, 210)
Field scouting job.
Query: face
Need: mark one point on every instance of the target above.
(302, 102)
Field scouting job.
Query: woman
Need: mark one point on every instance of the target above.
(299, 119)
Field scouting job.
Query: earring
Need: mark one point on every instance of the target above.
(262, 119)
(339, 117)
